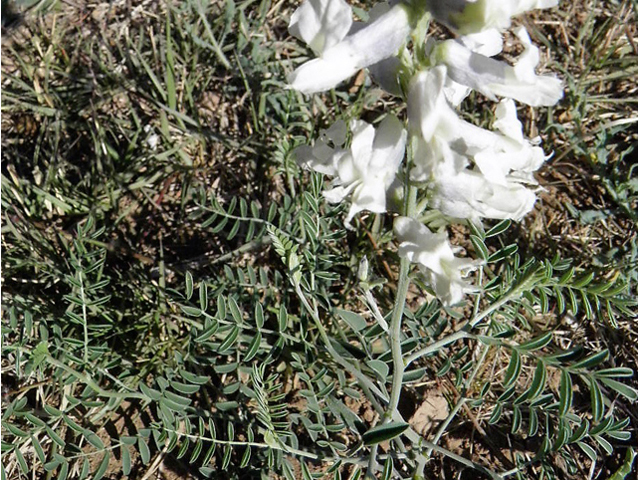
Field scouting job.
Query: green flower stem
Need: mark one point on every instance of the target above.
(395, 336)
(395, 329)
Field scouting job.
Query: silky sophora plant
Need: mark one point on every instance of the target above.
(433, 161)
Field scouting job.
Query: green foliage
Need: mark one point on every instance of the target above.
(184, 292)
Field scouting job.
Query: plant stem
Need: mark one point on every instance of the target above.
(395, 329)
(91, 383)
(395, 332)
(85, 325)
(364, 381)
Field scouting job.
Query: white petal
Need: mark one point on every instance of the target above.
(378, 40)
(487, 42)
(388, 149)
(435, 158)
(322, 74)
(426, 101)
(306, 157)
(321, 23)
(421, 245)
(507, 120)
(369, 195)
(469, 194)
(337, 194)
(434, 254)
(362, 144)
(492, 77)
(347, 170)
(471, 16)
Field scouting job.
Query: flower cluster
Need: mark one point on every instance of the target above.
(462, 170)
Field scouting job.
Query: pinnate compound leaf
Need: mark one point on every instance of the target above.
(384, 432)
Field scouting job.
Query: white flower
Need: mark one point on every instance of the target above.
(432, 251)
(471, 172)
(488, 43)
(492, 77)
(472, 16)
(460, 192)
(365, 170)
(322, 24)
